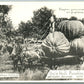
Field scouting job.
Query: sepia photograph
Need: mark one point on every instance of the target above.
(41, 41)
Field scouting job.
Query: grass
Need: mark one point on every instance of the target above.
(34, 74)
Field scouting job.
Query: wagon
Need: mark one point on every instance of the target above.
(53, 63)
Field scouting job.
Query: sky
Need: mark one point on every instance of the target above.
(23, 11)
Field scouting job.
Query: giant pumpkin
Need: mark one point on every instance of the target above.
(72, 29)
(77, 46)
(55, 45)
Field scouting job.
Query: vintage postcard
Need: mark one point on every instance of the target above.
(42, 41)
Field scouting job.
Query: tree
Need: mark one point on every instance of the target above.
(41, 22)
(25, 28)
(8, 29)
(5, 22)
(4, 9)
(73, 18)
(39, 27)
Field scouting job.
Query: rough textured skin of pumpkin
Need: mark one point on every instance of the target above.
(55, 45)
(77, 46)
(71, 29)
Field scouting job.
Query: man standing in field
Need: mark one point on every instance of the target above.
(16, 56)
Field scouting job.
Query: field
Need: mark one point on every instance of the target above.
(38, 71)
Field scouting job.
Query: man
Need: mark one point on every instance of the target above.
(16, 56)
